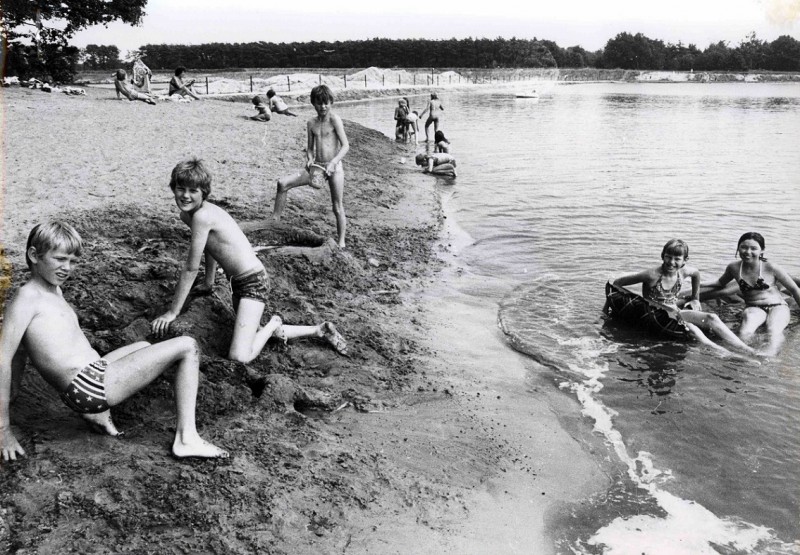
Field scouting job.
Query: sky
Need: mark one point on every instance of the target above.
(588, 23)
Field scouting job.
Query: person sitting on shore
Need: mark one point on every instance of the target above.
(277, 104)
(123, 89)
(663, 285)
(262, 109)
(178, 86)
(215, 234)
(442, 144)
(141, 74)
(327, 146)
(39, 325)
(438, 163)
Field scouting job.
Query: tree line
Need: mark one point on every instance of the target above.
(37, 37)
(625, 51)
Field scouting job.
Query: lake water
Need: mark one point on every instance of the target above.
(590, 180)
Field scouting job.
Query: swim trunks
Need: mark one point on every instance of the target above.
(252, 284)
(87, 392)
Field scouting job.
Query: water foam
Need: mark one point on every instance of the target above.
(688, 528)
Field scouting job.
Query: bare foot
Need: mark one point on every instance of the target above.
(332, 336)
(197, 447)
(102, 424)
(279, 333)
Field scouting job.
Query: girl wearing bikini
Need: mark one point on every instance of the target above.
(758, 281)
(663, 285)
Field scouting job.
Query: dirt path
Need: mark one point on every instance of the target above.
(380, 452)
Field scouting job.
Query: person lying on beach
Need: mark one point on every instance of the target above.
(123, 90)
(438, 163)
(442, 144)
(434, 110)
(400, 114)
(178, 86)
(663, 283)
(262, 109)
(39, 325)
(758, 281)
(327, 146)
(277, 105)
(215, 233)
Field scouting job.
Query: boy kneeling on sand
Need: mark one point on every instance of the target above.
(215, 233)
(40, 325)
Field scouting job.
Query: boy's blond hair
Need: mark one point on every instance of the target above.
(192, 173)
(53, 235)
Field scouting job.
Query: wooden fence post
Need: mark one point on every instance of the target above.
(345, 80)
(365, 80)
(288, 83)
(206, 85)
(251, 83)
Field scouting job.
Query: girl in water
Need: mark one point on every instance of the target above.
(442, 144)
(433, 109)
(663, 285)
(758, 281)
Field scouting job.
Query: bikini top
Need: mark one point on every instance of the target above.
(760, 285)
(658, 294)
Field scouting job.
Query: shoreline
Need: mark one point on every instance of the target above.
(403, 445)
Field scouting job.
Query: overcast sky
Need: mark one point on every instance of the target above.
(588, 23)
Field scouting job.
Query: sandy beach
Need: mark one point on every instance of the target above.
(421, 441)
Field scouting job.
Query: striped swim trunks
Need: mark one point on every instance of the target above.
(87, 392)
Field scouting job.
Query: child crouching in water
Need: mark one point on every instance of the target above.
(39, 325)
(663, 283)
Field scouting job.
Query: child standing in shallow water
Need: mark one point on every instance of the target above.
(663, 285)
(758, 281)
(434, 110)
(327, 146)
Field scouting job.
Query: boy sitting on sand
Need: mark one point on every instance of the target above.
(40, 325)
(123, 90)
(277, 104)
(215, 233)
(327, 145)
(263, 112)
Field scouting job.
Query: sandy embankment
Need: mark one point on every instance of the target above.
(397, 449)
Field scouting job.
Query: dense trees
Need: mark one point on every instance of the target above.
(37, 32)
(625, 51)
(101, 57)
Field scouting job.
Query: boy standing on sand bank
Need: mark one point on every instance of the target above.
(327, 146)
(40, 325)
(215, 233)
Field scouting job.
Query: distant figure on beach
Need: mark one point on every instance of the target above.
(437, 163)
(442, 144)
(277, 104)
(39, 325)
(758, 281)
(434, 110)
(178, 86)
(663, 283)
(400, 114)
(141, 74)
(123, 89)
(327, 146)
(218, 236)
(263, 113)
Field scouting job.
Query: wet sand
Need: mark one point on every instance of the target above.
(432, 437)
